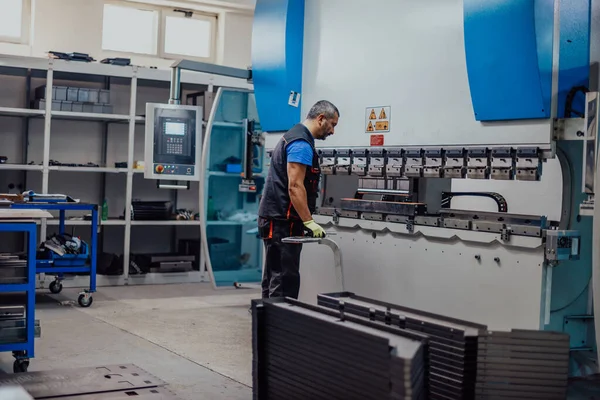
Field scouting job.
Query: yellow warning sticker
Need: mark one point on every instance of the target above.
(381, 126)
(377, 119)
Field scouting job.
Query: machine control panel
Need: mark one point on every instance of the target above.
(173, 141)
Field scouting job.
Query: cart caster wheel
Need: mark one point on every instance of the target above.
(20, 366)
(55, 287)
(85, 300)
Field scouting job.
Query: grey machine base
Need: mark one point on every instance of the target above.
(112, 382)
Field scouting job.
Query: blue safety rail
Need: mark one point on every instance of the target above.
(229, 227)
(24, 350)
(61, 267)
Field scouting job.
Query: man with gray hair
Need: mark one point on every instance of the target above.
(290, 198)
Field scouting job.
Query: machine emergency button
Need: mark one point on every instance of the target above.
(160, 169)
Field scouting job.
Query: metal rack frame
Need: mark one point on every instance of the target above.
(135, 77)
(25, 350)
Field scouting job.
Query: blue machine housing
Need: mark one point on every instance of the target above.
(277, 46)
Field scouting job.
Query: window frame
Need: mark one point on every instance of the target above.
(141, 7)
(211, 18)
(25, 26)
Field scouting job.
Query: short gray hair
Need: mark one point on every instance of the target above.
(323, 107)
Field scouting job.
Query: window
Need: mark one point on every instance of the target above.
(130, 30)
(14, 20)
(189, 36)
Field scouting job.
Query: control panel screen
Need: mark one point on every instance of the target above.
(174, 137)
(175, 128)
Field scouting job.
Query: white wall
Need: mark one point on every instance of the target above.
(54, 22)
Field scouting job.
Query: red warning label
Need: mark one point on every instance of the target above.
(377, 140)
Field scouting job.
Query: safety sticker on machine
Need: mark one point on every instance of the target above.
(377, 119)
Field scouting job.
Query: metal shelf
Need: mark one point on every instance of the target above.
(21, 112)
(166, 223)
(87, 169)
(82, 116)
(20, 167)
(78, 222)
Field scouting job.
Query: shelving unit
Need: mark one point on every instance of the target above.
(103, 139)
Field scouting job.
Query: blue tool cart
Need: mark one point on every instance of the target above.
(22, 349)
(70, 263)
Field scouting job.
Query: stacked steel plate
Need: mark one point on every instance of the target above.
(522, 364)
(452, 343)
(12, 269)
(308, 352)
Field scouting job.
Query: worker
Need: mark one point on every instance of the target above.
(290, 197)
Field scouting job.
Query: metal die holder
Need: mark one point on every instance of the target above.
(359, 162)
(454, 163)
(413, 166)
(502, 164)
(478, 164)
(394, 163)
(327, 161)
(343, 162)
(376, 162)
(433, 163)
(528, 164)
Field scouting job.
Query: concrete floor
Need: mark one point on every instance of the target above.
(196, 339)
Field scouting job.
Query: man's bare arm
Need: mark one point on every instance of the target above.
(296, 174)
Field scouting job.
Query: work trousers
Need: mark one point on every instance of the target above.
(281, 274)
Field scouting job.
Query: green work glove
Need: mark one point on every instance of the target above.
(315, 228)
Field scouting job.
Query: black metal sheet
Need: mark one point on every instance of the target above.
(520, 394)
(522, 355)
(157, 393)
(504, 341)
(515, 381)
(284, 361)
(517, 334)
(501, 388)
(67, 382)
(371, 360)
(528, 351)
(509, 360)
(518, 369)
(336, 390)
(467, 326)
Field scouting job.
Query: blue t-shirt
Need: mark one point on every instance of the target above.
(299, 151)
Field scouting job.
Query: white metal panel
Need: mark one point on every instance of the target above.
(436, 275)
(406, 54)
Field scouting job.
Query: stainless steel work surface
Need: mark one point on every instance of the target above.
(69, 382)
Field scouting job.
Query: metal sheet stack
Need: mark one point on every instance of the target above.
(523, 364)
(452, 342)
(13, 325)
(12, 269)
(308, 352)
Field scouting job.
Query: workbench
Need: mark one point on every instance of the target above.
(23, 221)
(53, 268)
